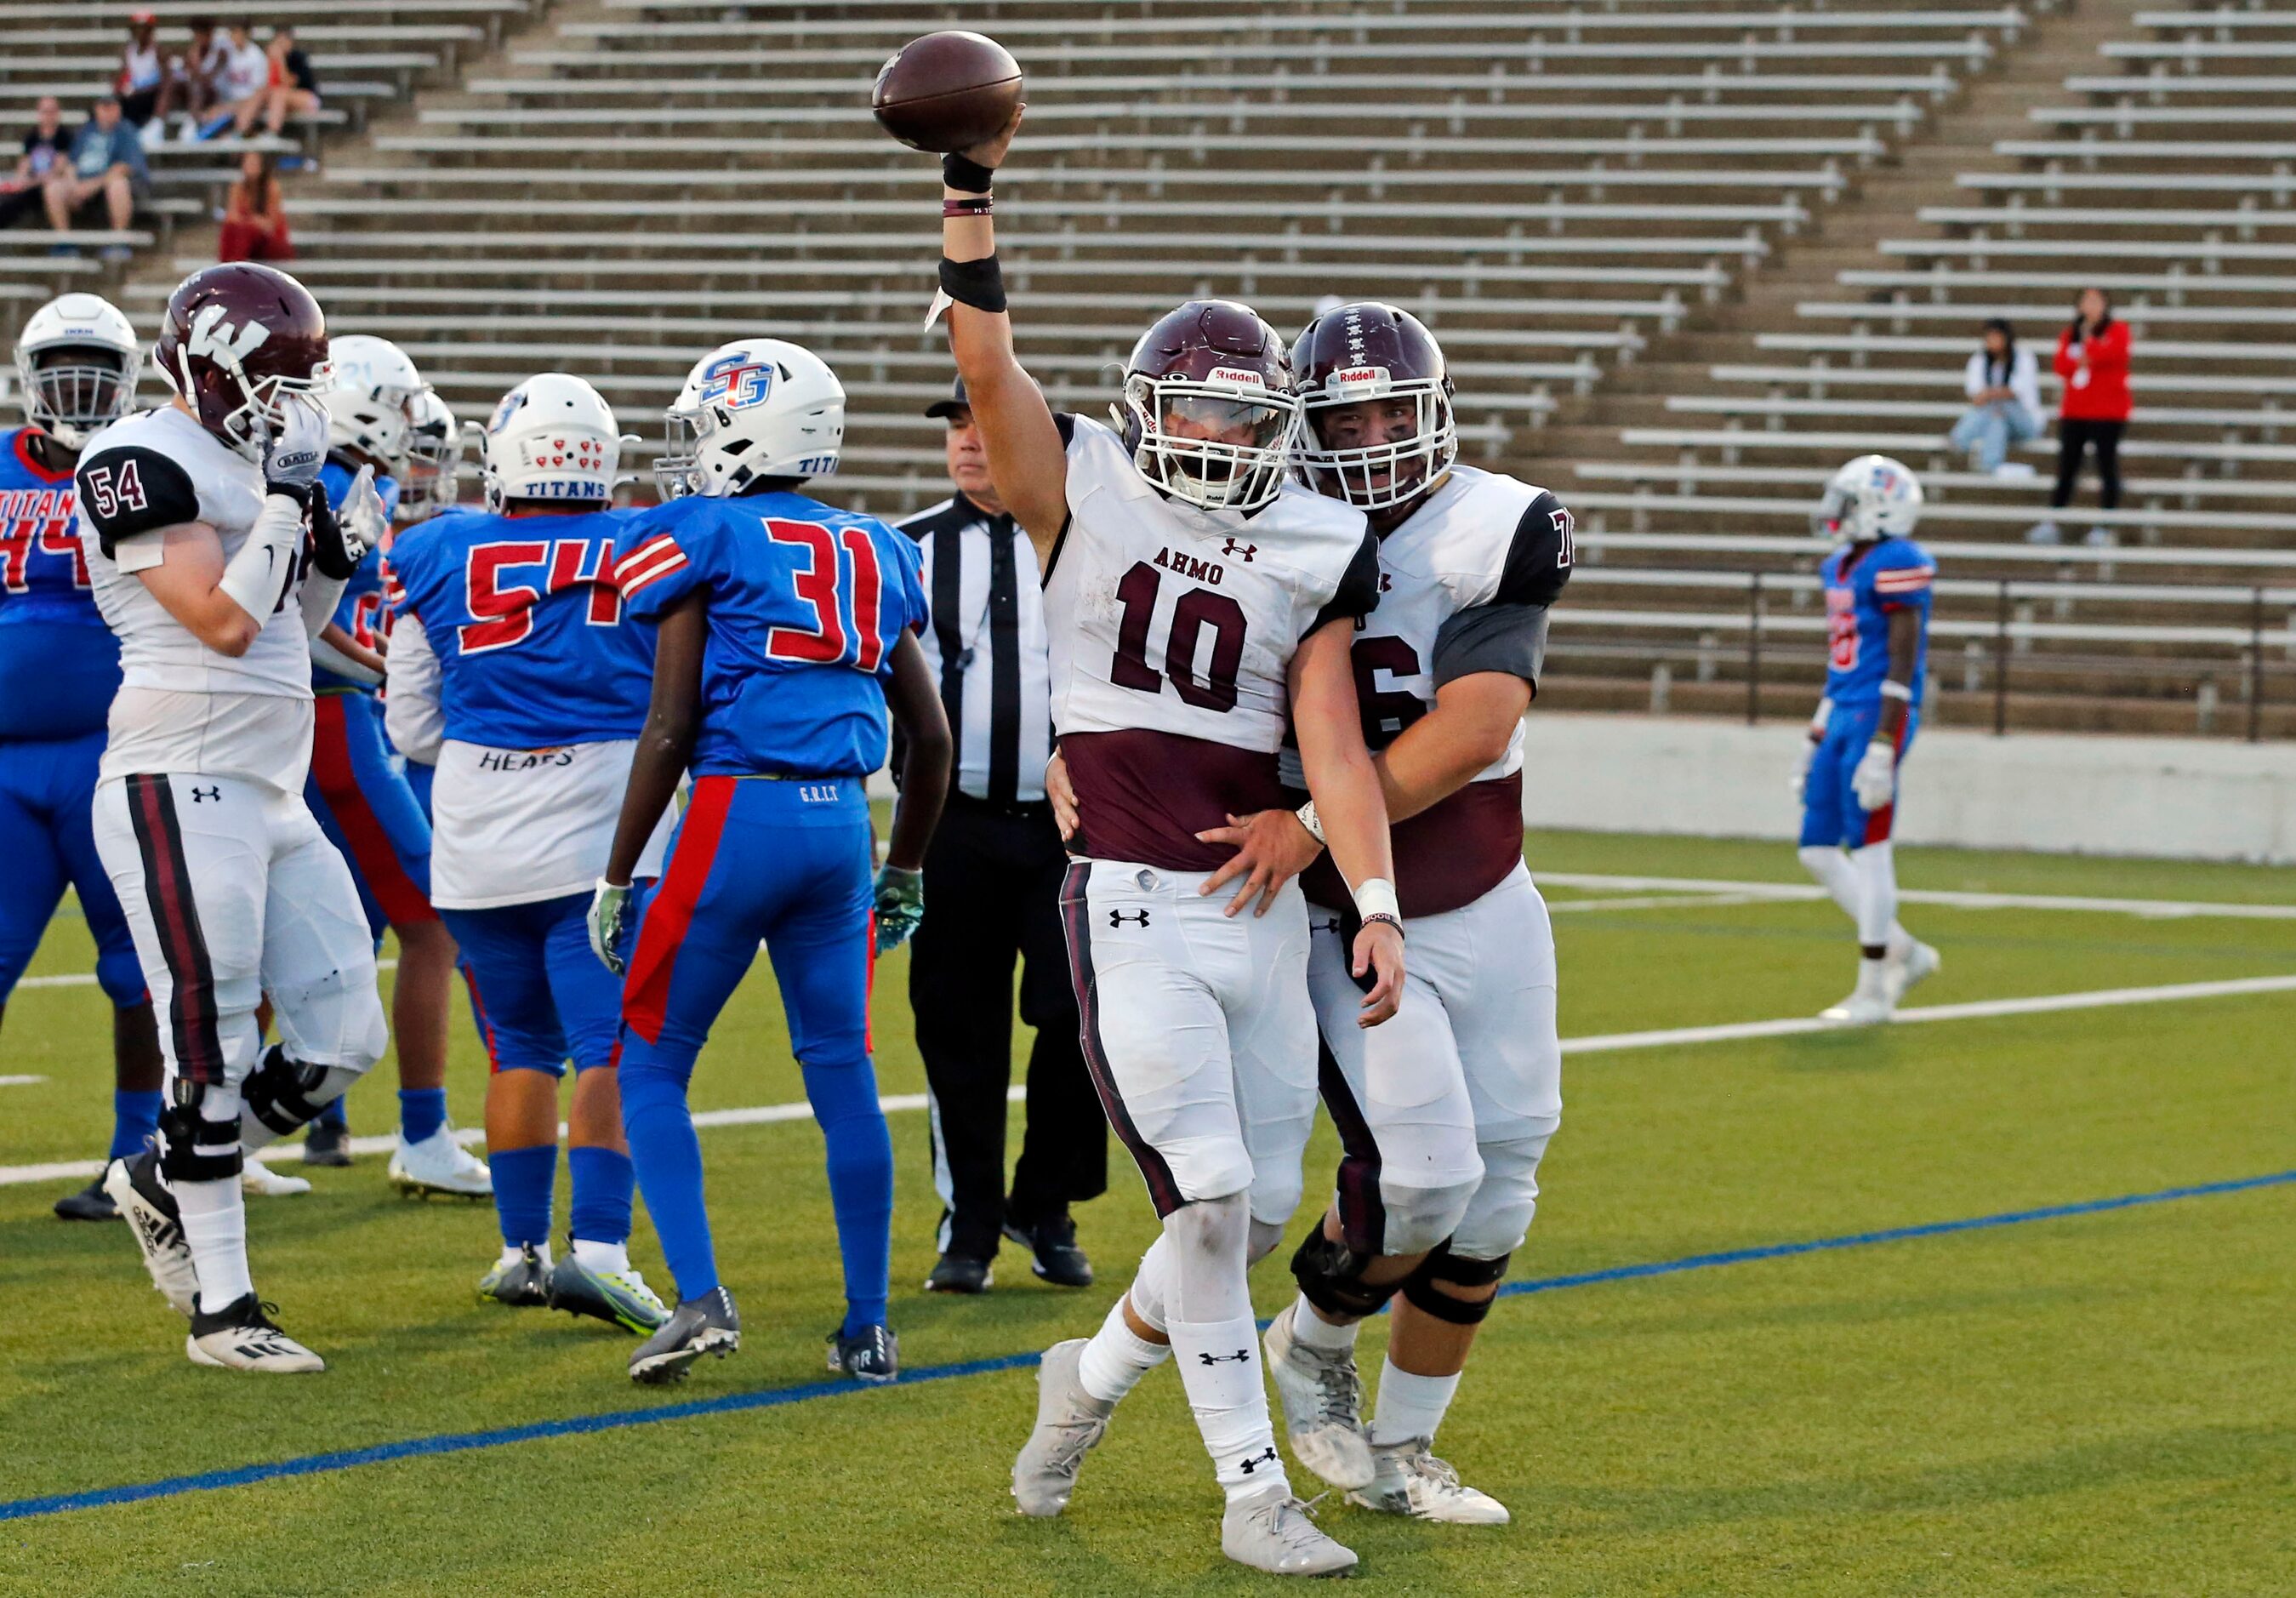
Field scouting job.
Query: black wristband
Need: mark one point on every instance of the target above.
(978, 284)
(301, 493)
(328, 551)
(961, 172)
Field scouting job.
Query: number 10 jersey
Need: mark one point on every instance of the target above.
(1172, 630)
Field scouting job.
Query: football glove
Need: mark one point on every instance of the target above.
(1875, 780)
(1801, 779)
(901, 906)
(293, 459)
(340, 539)
(610, 916)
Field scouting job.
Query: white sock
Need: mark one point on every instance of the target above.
(1152, 1286)
(1219, 1367)
(511, 1254)
(608, 1259)
(1876, 867)
(1833, 870)
(1309, 1328)
(1118, 1357)
(1409, 1407)
(215, 1225)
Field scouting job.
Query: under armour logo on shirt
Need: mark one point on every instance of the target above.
(1241, 552)
(1117, 918)
(202, 795)
(1242, 1356)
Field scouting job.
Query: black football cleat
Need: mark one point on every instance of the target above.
(325, 1145)
(960, 1274)
(1053, 1250)
(90, 1202)
(871, 1354)
(708, 1324)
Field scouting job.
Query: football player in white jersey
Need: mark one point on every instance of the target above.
(1196, 600)
(215, 560)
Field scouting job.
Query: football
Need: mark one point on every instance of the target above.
(946, 91)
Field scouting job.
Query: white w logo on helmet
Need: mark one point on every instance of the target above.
(220, 342)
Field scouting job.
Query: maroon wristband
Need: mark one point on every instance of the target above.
(979, 205)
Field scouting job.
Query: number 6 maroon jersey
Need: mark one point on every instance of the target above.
(1173, 622)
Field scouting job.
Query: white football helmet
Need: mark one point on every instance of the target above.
(753, 408)
(553, 437)
(1872, 497)
(76, 363)
(434, 459)
(371, 406)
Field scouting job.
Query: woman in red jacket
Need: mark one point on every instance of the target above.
(2093, 359)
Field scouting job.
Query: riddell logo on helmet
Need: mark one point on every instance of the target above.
(1355, 379)
(1242, 376)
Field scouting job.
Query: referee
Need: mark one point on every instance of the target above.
(996, 861)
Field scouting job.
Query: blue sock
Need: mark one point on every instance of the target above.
(602, 1181)
(667, 1159)
(421, 1112)
(844, 1100)
(135, 1116)
(523, 1178)
(333, 1115)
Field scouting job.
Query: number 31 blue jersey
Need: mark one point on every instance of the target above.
(806, 604)
(1863, 583)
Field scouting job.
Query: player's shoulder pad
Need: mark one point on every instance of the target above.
(1899, 553)
(128, 489)
(1065, 422)
(1357, 593)
(1540, 555)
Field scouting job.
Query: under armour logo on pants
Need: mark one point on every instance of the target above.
(202, 795)
(1117, 918)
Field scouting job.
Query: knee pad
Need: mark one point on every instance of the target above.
(1330, 1275)
(193, 1148)
(120, 976)
(1421, 1290)
(284, 1093)
(1499, 1215)
(1418, 1219)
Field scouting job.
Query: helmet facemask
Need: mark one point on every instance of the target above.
(1382, 475)
(72, 392)
(677, 469)
(1221, 444)
(250, 426)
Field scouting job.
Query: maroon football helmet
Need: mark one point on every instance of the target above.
(1209, 410)
(237, 340)
(1372, 352)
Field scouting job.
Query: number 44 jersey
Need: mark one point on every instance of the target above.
(1172, 632)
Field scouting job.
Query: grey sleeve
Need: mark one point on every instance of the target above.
(1492, 637)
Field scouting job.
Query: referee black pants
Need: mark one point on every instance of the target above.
(992, 894)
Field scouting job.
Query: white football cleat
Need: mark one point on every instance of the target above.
(152, 1215)
(1069, 1424)
(1323, 1404)
(261, 1181)
(440, 1164)
(1869, 1004)
(1918, 963)
(1273, 1531)
(241, 1336)
(1410, 1480)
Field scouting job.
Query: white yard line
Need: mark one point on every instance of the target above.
(20, 1082)
(1730, 1032)
(1750, 892)
(1660, 902)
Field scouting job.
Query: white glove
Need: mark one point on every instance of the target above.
(293, 459)
(361, 516)
(609, 914)
(1875, 780)
(1801, 779)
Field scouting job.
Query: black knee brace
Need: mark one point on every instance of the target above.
(192, 1147)
(1441, 1265)
(278, 1091)
(1331, 1276)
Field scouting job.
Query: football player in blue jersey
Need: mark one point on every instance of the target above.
(784, 628)
(543, 684)
(1878, 585)
(361, 799)
(76, 366)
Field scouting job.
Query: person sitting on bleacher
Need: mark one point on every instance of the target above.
(255, 215)
(141, 76)
(291, 88)
(106, 161)
(188, 92)
(2004, 383)
(241, 81)
(46, 151)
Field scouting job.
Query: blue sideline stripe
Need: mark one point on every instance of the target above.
(313, 1464)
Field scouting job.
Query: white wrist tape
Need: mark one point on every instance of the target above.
(1376, 897)
(1310, 820)
(1897, 691)
(257, 577)
(1820, 717)
(318, 598)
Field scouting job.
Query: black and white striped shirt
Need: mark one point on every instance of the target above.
(987, 645)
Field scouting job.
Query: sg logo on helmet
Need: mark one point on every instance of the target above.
(737, 384)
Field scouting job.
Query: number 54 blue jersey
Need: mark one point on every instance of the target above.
(806, 604)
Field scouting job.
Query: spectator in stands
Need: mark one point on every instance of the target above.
(241, 82)
(2093, 358)
(255, 215)
(189, 91)
(47, 152)
(2004, 384)
(141, 76)
(107, 164)
(292, 88)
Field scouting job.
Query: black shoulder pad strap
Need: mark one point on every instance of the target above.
(1065, 422)
(1357, 595)
(131, 489)
(1538, 560)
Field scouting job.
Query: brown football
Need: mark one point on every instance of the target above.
(946, 91)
